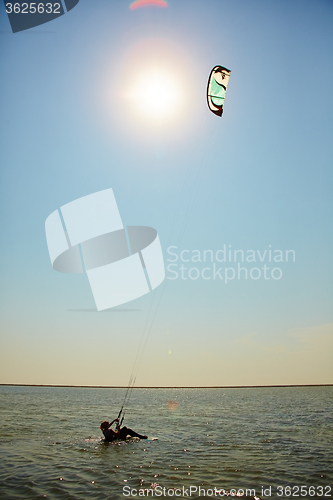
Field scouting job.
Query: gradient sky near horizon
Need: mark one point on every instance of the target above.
(258, 178)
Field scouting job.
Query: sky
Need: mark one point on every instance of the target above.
(74, 121)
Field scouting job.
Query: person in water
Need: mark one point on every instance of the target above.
(119, 433)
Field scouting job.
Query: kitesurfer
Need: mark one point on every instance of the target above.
(119, 433)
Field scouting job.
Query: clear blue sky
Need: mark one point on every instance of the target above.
(259, 176)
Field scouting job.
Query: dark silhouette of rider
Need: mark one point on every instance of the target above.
(119, 433)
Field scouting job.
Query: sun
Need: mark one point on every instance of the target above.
(155, 95)
(149, 91)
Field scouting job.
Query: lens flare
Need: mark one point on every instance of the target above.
(172, 405)
(148, 3)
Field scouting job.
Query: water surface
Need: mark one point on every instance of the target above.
(227, 439)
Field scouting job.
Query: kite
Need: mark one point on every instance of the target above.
(216, 89)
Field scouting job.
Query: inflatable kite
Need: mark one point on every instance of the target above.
(216, 89)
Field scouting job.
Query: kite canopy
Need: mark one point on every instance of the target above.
(216, 89)
(147, 3)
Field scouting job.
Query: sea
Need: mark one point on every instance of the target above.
(271, 442)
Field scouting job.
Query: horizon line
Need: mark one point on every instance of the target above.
(167, 387)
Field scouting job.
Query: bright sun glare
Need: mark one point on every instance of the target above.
(156, 96)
